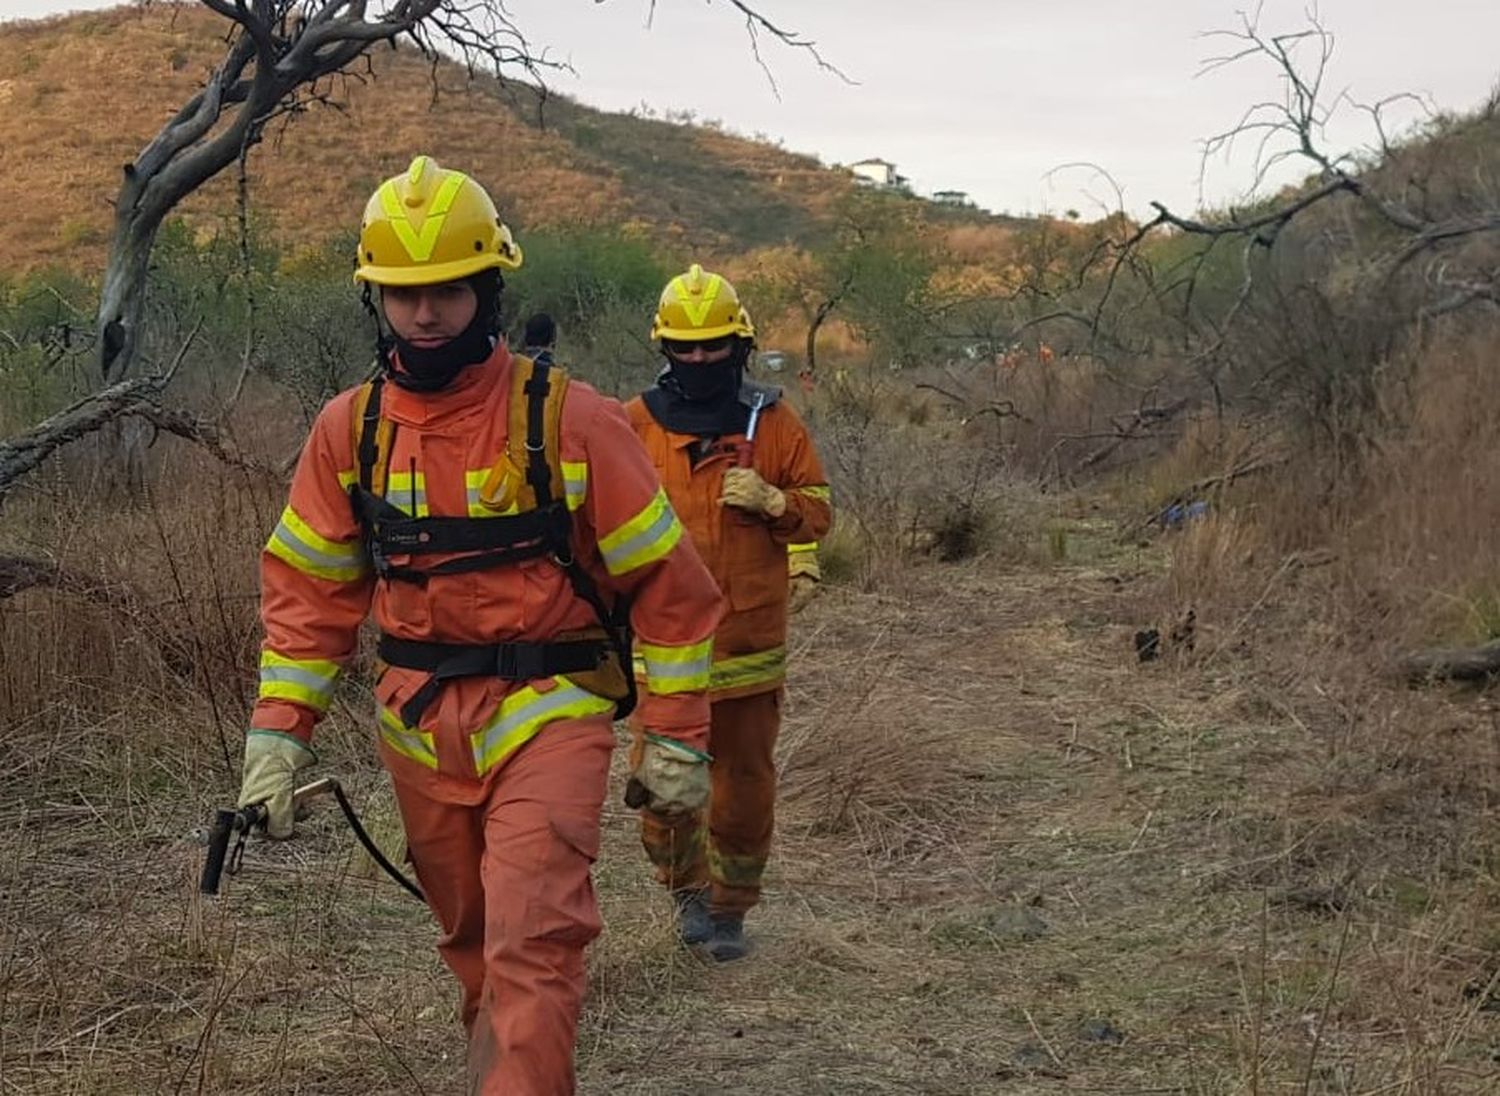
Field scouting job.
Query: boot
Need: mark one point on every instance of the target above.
(693, 923)
(728, 941)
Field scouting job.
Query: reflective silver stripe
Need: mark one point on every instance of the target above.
(291, 675)
(756, 669)
(621, 557)
(296, 544)
(665, 671)
(498, 738)
(416, 745)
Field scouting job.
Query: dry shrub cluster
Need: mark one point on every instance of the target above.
(1049, 422)
(1398, 529)
(912, 479)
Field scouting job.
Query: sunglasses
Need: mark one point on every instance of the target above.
(681, 348)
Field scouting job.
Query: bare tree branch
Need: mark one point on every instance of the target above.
(1293, 128)
(755, 24)
(20, 454)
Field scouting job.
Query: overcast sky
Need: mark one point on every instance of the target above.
(991, 96)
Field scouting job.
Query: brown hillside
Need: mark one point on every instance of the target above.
(80, 95)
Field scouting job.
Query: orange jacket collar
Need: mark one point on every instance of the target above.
(472, 388)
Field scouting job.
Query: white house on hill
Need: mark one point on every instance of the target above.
(877, 172)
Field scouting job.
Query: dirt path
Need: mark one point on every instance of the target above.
(1011, 860)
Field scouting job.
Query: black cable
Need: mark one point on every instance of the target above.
(370, 847)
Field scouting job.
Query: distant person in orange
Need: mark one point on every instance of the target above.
(1044, 354)
(494, 518)
(743, 502)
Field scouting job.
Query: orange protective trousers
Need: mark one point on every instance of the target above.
(729, 854)
(509, 881)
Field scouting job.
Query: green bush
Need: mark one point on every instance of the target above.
(45, 325)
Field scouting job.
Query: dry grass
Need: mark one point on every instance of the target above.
(1010, 857)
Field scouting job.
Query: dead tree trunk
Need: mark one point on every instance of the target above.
(824, 310)
(1451, 664)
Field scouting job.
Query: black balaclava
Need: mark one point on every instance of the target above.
(707, 383)
(429, 369)
(699, 398)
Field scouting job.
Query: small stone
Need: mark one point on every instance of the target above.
(1101, 1031)
(1015, 923)
(1036, 1061)
(1031, 1056)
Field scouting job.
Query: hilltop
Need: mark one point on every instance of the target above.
(80, 95)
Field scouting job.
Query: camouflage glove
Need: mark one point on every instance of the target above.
(272, 762)
(743, 488)
(801, 589)
(674, 776)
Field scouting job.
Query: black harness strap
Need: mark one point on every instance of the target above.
(397, 532)
(538, 472)
(481, 544)
(511, 661)
(616, 623)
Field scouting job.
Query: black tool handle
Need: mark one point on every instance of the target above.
(218, 848)
(637, 795)
(227, 823)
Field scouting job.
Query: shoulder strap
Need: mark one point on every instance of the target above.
(534, 433)
(373, 437)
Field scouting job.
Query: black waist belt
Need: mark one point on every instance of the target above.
(511, 661)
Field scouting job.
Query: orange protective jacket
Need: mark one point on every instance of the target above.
(747, 556)
(318, 586)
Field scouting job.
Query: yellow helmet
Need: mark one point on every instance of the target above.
(699, 306)
(431, 225)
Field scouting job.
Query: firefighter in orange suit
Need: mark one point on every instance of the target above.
(743, 503)
(493, 517)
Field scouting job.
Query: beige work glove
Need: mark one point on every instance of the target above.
(744, 489)
(272, 761)
(674, 775)
(801, 589)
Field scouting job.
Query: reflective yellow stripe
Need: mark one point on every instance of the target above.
(575, 481)
(419, 245)
(810, 546)
(406, 741)
(474, 481)
(524, 713)
(298, 544)
(818, 491)
(741, 870)
(643, 539)
(676, 669)
(408, 493)
(763, 666)
(308, 681)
